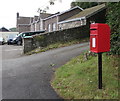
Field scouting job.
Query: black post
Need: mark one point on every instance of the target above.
(100, 70)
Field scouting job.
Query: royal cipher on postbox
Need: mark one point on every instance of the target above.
(99, 38)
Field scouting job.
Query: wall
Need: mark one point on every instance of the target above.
(46, 39)
(32, 27)
(23, 28)
(37, 26)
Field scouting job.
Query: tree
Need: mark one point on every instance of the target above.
(13, 29)
(44, 9)
(84, 5)
(113, 19)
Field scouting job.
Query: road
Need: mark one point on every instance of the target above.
(28, 77)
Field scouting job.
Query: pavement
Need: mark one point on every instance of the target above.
(28, 77)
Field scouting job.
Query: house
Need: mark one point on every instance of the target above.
(73, 17)
(44, 21)
(37, 22)
(51, 23)
(3, 29)
(93, 14)
(6, 34)
(23, 23)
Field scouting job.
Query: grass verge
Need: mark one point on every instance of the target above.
(57, 45)
(78, 78)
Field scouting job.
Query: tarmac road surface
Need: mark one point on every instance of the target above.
(28, 77)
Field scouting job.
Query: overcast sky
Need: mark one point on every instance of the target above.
(9, 8)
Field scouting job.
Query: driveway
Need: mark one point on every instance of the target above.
(28, 77)
(11, 51)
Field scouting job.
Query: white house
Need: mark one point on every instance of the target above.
(6, 34)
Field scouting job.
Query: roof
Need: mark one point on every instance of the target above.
(76, 7)
(36, 18)
(23, 20)
(45, 15)
(86, 13)
(3, 29)
(42, 16)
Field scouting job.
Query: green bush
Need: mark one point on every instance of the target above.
(113, 19)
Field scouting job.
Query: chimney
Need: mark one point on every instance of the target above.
(17, 15)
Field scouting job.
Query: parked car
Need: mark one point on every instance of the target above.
(2, 41)
(10, 39)
(19, 39)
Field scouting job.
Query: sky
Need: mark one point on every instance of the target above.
(28, 8)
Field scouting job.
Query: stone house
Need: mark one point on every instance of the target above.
(51, 23)
(87, 16)
(23, 23)
(48, 22)
(71, 18)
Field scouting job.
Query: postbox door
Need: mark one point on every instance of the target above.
(94, 43)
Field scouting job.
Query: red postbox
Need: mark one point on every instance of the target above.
(99, 38)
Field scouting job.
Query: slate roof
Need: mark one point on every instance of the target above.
(87, 12)
(23, 20)
(3, 29)
(45, 15)
(60, 13)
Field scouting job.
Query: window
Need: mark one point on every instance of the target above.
(60, 26)
(83, 22)
(49, 27)
(54, 26)
(41, 24)
(35, 26)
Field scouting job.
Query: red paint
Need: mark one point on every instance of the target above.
(99, 38)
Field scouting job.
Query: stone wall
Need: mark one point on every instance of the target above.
(46, 39)
(27, 44)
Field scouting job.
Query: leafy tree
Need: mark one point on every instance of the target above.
(113, 19)
(84, 5)
(13, 29)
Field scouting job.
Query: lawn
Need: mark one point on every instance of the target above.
(78, 79)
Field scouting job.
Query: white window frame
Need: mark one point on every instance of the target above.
(41, 24)
(54, 27)
(49, 27)
(35, 26)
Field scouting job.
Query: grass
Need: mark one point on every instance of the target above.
(56, 45)
(78, 78)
